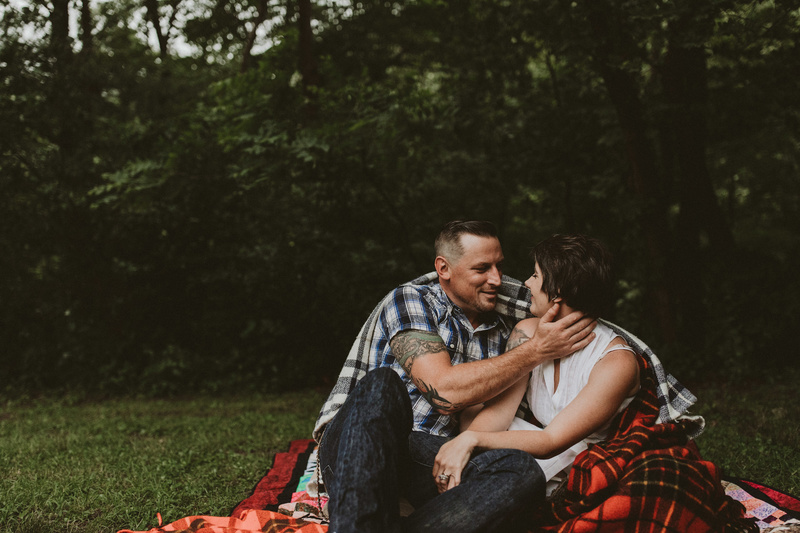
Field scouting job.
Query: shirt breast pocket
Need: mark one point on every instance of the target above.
(455, 347)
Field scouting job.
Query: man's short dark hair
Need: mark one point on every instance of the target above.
(448, 242)
(579, 270)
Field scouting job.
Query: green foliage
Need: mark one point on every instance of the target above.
(170, 218)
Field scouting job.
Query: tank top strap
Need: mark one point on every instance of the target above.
(618, 347)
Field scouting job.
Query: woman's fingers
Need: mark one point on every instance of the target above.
(442, 484)
(455, 479)
(451, 461)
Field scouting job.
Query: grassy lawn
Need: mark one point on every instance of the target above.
(103, 466)
(72, 466)
(752, 430)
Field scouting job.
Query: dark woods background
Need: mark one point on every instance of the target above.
(212, 194)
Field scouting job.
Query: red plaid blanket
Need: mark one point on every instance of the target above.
(647, 477)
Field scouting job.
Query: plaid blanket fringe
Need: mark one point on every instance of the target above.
(647, 477)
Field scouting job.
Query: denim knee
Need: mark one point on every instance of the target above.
(379, 402)
(526, 473)
(387, 392)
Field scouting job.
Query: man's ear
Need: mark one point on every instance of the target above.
(442, 267)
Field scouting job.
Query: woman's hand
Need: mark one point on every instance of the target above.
(451, 460)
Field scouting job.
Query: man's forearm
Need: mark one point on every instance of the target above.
(478, 381)
(450, 389)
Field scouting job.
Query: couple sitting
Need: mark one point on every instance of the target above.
(425, 406)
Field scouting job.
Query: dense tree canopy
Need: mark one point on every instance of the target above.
(209, 193)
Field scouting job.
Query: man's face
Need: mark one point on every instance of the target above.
(476, 276)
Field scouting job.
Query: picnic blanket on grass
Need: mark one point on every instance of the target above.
(646, 477)
(770, 510)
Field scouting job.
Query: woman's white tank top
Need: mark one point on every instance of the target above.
(545, 403)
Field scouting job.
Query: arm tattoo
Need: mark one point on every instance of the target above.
(517, 337)
(408, 346)
(411, 345)
(432, 396)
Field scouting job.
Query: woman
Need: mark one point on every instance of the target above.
(573, 399)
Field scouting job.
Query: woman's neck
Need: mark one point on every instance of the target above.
(563, 310)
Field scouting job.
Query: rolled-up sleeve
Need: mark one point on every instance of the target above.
(408, 310)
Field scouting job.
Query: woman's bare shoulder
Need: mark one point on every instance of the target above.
(523, 331)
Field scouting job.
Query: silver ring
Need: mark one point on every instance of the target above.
(443, 477)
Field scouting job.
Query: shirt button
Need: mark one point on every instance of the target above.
(452, 346)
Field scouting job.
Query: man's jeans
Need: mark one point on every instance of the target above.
(369, 457)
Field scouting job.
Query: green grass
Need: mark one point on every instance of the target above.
(81, 466)
(752, 430)
(100, 467)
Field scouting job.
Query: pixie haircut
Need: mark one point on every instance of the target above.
(576, 268)
(448, 242)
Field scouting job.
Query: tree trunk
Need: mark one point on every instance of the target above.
(155, 20)
(643, 180)
(685, 85)
(87, 42)
(307, 64)
(261, 16)
(60, 91)
(59, 35)
(686, 90)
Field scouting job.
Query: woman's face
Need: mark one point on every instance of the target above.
(540, 303)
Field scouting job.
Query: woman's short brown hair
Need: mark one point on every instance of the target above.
(578, 269)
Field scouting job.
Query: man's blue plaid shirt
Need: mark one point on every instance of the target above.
(427, 308)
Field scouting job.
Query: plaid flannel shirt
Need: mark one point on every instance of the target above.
(427, 308)
(513, 302)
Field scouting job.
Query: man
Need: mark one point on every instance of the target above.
(430, 351)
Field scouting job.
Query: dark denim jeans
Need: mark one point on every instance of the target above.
(370, 457)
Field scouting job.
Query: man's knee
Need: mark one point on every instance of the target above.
(384, 377)
(385, 395)
(384, 382)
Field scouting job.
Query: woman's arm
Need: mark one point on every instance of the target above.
(613, 378)
(497, 413)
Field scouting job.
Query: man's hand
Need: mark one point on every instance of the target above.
(559, 338)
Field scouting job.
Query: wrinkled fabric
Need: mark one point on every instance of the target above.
(646, 477)
(369, 457)
(249, 521)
